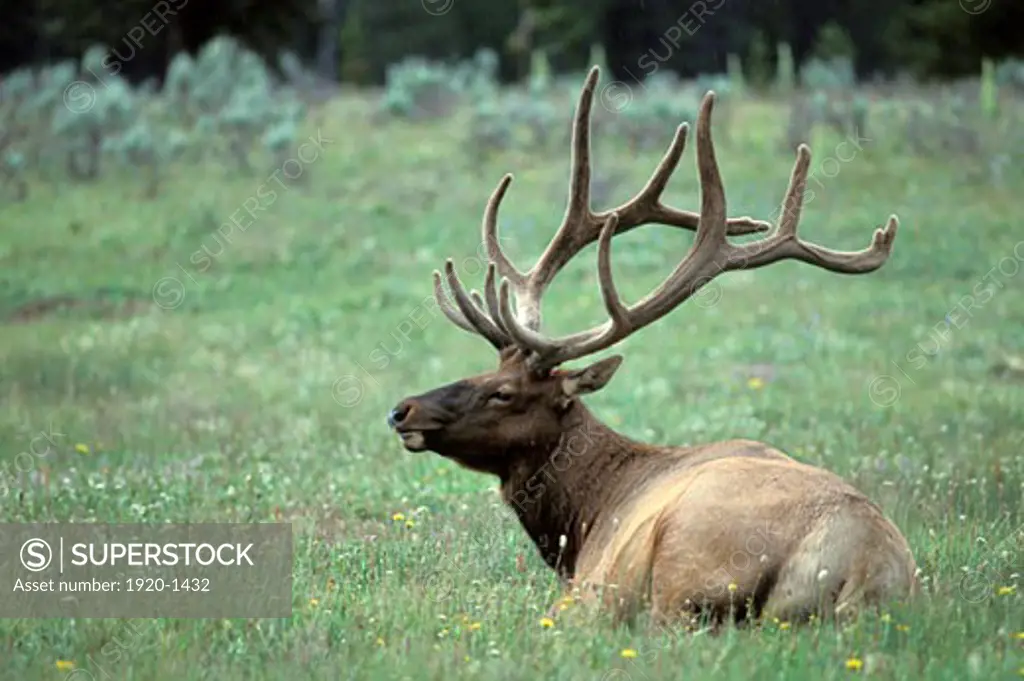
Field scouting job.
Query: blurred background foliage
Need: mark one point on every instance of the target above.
(135, 87)
(356, 40)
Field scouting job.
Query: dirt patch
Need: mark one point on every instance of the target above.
(104, 309)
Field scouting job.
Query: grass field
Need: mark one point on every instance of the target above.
(249, 382)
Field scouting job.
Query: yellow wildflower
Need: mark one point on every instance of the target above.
(547, 622)
(82, 448)
(474, 626)
(783, 625)
(313, 602)
(1019, 635)
(398, 517)
(1006, 590)
(380, 641)
(854, 664)
(65, 665)
(628, 653)
(732, 587)
(410, 524)
(755, 383)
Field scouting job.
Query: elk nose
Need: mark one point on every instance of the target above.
(398, 414)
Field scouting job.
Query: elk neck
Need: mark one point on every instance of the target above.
(570, 486)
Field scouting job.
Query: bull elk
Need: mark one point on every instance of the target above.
(733, 527)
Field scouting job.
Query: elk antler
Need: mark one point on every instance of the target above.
(710, 255)
(580, 227)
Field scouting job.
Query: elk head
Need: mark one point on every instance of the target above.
(489, 421)
(483, 420)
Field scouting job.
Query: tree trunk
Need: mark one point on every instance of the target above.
(327, 42)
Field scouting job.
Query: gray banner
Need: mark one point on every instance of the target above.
(200, 570)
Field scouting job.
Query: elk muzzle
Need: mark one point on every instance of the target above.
(413, 417)
(402, 419)
(397, 415)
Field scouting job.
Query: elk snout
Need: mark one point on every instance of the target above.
(409, 420)
(400, 413)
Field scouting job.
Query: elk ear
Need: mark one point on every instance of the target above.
(590, 379)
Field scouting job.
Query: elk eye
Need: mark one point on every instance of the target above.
(501, 396)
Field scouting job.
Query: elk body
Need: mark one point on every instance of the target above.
(731, 527)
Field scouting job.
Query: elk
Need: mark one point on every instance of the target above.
(729, 529)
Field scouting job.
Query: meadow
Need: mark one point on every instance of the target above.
(191, 368)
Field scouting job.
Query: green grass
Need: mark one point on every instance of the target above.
(263, 394)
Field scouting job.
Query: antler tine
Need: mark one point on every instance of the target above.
(490, 235)
(491, 296)
(578, 207)
(469, 316)
(578, 223)
(453, 315)
(784, 243)
(609, 293)
(711, 227)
